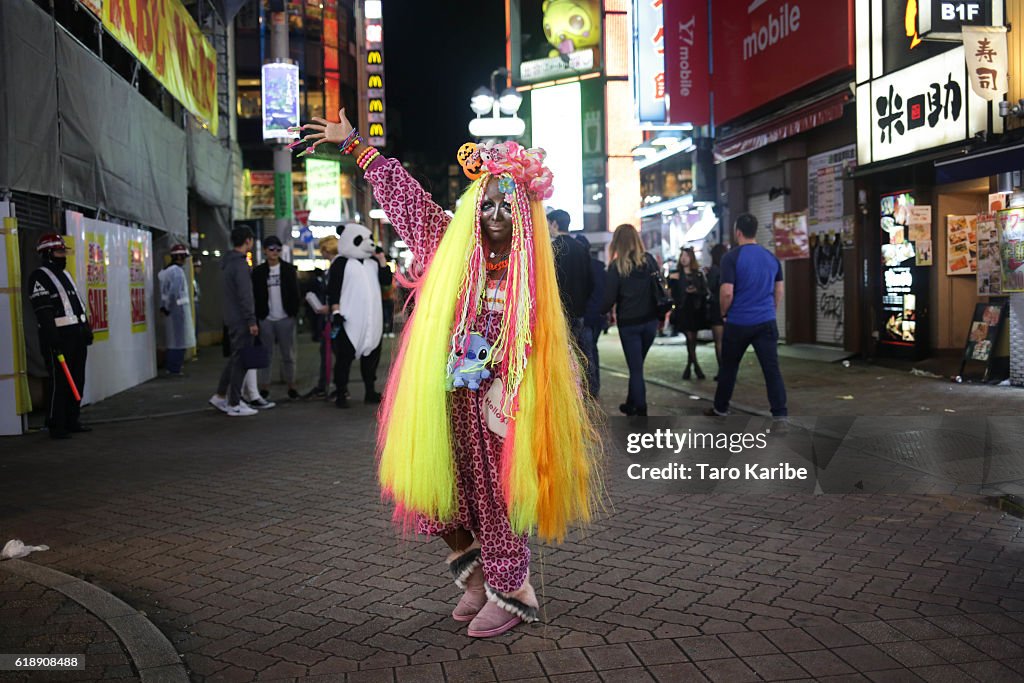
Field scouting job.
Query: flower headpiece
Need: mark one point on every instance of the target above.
(524, 166)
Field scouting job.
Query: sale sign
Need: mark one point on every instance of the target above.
(137, 284)
(96, 284)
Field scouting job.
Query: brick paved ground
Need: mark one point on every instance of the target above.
(261, 549)
(38, 620)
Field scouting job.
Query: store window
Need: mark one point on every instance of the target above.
(250, 104)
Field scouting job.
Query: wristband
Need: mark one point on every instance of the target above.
(366, 160)
(351, 142)
(365, 153)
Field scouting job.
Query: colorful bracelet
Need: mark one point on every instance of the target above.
(351, 142)
(363, 155)
(365, 161)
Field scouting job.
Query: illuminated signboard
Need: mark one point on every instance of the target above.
(557, 127)
(911, 95)
(280, 100)
(904, 282)
(323, 190)
(649, 60)
(552, 39)
(373, 29)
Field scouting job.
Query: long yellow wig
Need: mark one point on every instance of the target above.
(549, 459)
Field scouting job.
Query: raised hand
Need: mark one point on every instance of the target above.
(321, 131)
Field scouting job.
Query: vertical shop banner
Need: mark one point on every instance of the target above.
(986, 51)
(961, 245)
(687, 77)
(166, 40)
(280, 94)
(649, 59)
(283, 195)
(323, 191)
(96, 284)
(791, 238)
(137, 285)
(990, 275)
(1011, 247)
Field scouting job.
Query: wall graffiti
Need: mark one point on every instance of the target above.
(827, 260)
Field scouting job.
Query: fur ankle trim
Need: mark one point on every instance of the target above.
(517, 603)
(461, 565)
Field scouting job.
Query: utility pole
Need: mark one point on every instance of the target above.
(282, 155)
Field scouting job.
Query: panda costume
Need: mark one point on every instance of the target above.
(357, 316)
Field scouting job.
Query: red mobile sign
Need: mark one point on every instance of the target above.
(687, 81)
(767, 48)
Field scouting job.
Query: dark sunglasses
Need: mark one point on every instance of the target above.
(273, 248)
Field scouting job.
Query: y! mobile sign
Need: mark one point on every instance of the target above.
(767, 48)
(686, 62)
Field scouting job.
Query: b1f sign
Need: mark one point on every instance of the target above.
(949, 16)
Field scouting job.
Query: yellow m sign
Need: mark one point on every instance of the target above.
(376, 130)
(375, 81)
(376, 105)
(373, 57)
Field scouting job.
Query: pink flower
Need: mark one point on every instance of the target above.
(526, 166)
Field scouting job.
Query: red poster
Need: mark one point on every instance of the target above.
(764, 49)
(687, 79)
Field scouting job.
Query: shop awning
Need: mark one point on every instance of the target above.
(980, 163)
(809, 116)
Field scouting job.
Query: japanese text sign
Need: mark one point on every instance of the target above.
(986, 51)
(649, 57)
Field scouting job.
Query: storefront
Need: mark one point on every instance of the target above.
(936, 178)
(790, 166)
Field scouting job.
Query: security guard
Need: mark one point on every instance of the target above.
(63, 329)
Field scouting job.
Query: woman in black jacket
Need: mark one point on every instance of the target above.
(689, 291)
(630, 290)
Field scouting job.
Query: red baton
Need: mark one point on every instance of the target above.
(67, 374)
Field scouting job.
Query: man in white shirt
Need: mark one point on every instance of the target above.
(275, 285)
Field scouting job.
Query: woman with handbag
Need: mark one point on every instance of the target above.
(637, 291)
(690, 293)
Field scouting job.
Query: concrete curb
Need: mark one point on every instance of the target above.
(151, 652)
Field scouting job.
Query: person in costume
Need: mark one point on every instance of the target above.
(485, 433)
(176, 306)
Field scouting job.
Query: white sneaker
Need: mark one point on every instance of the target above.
(260, 403)
(241, 410)
(219, 403)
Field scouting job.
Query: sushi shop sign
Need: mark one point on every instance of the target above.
(912, 94)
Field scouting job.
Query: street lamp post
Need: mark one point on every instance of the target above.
(485, 101)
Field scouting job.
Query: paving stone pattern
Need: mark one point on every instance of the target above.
(261, 549)
(39, 620)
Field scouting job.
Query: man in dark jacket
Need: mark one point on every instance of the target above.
(573, 273)
(275, 288)
(594, 321)
(240, 320)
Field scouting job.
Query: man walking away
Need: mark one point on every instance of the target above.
(275, 286)
(750, 293)
(64, 334)
(240, 320)
(176, 305)
(572, 270)
(594, 321)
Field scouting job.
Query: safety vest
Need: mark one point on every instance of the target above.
(69, 318)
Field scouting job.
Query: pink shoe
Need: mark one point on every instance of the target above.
(467, 572)
(505, 610)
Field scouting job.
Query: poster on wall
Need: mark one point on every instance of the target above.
(96, 284)
(983, 335)
(961, 245)
(137, 285)
(919, 223)
(791, 238)
(825, 174)
(1011, 248)
(923, 253)
(990, 276)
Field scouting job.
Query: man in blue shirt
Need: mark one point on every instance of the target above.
(751, 291)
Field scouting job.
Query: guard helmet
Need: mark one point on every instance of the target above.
(179, 250)
(51, 241)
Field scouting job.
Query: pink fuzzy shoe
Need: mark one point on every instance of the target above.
(503, 611)
(468, 574)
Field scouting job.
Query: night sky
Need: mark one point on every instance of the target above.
(436, 53)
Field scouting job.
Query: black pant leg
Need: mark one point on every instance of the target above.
(344, 354)
(368, 368)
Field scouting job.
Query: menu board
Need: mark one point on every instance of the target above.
(1011, 248)
(990, 273)
(961, 245)
(904, 280)
(982, 335)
